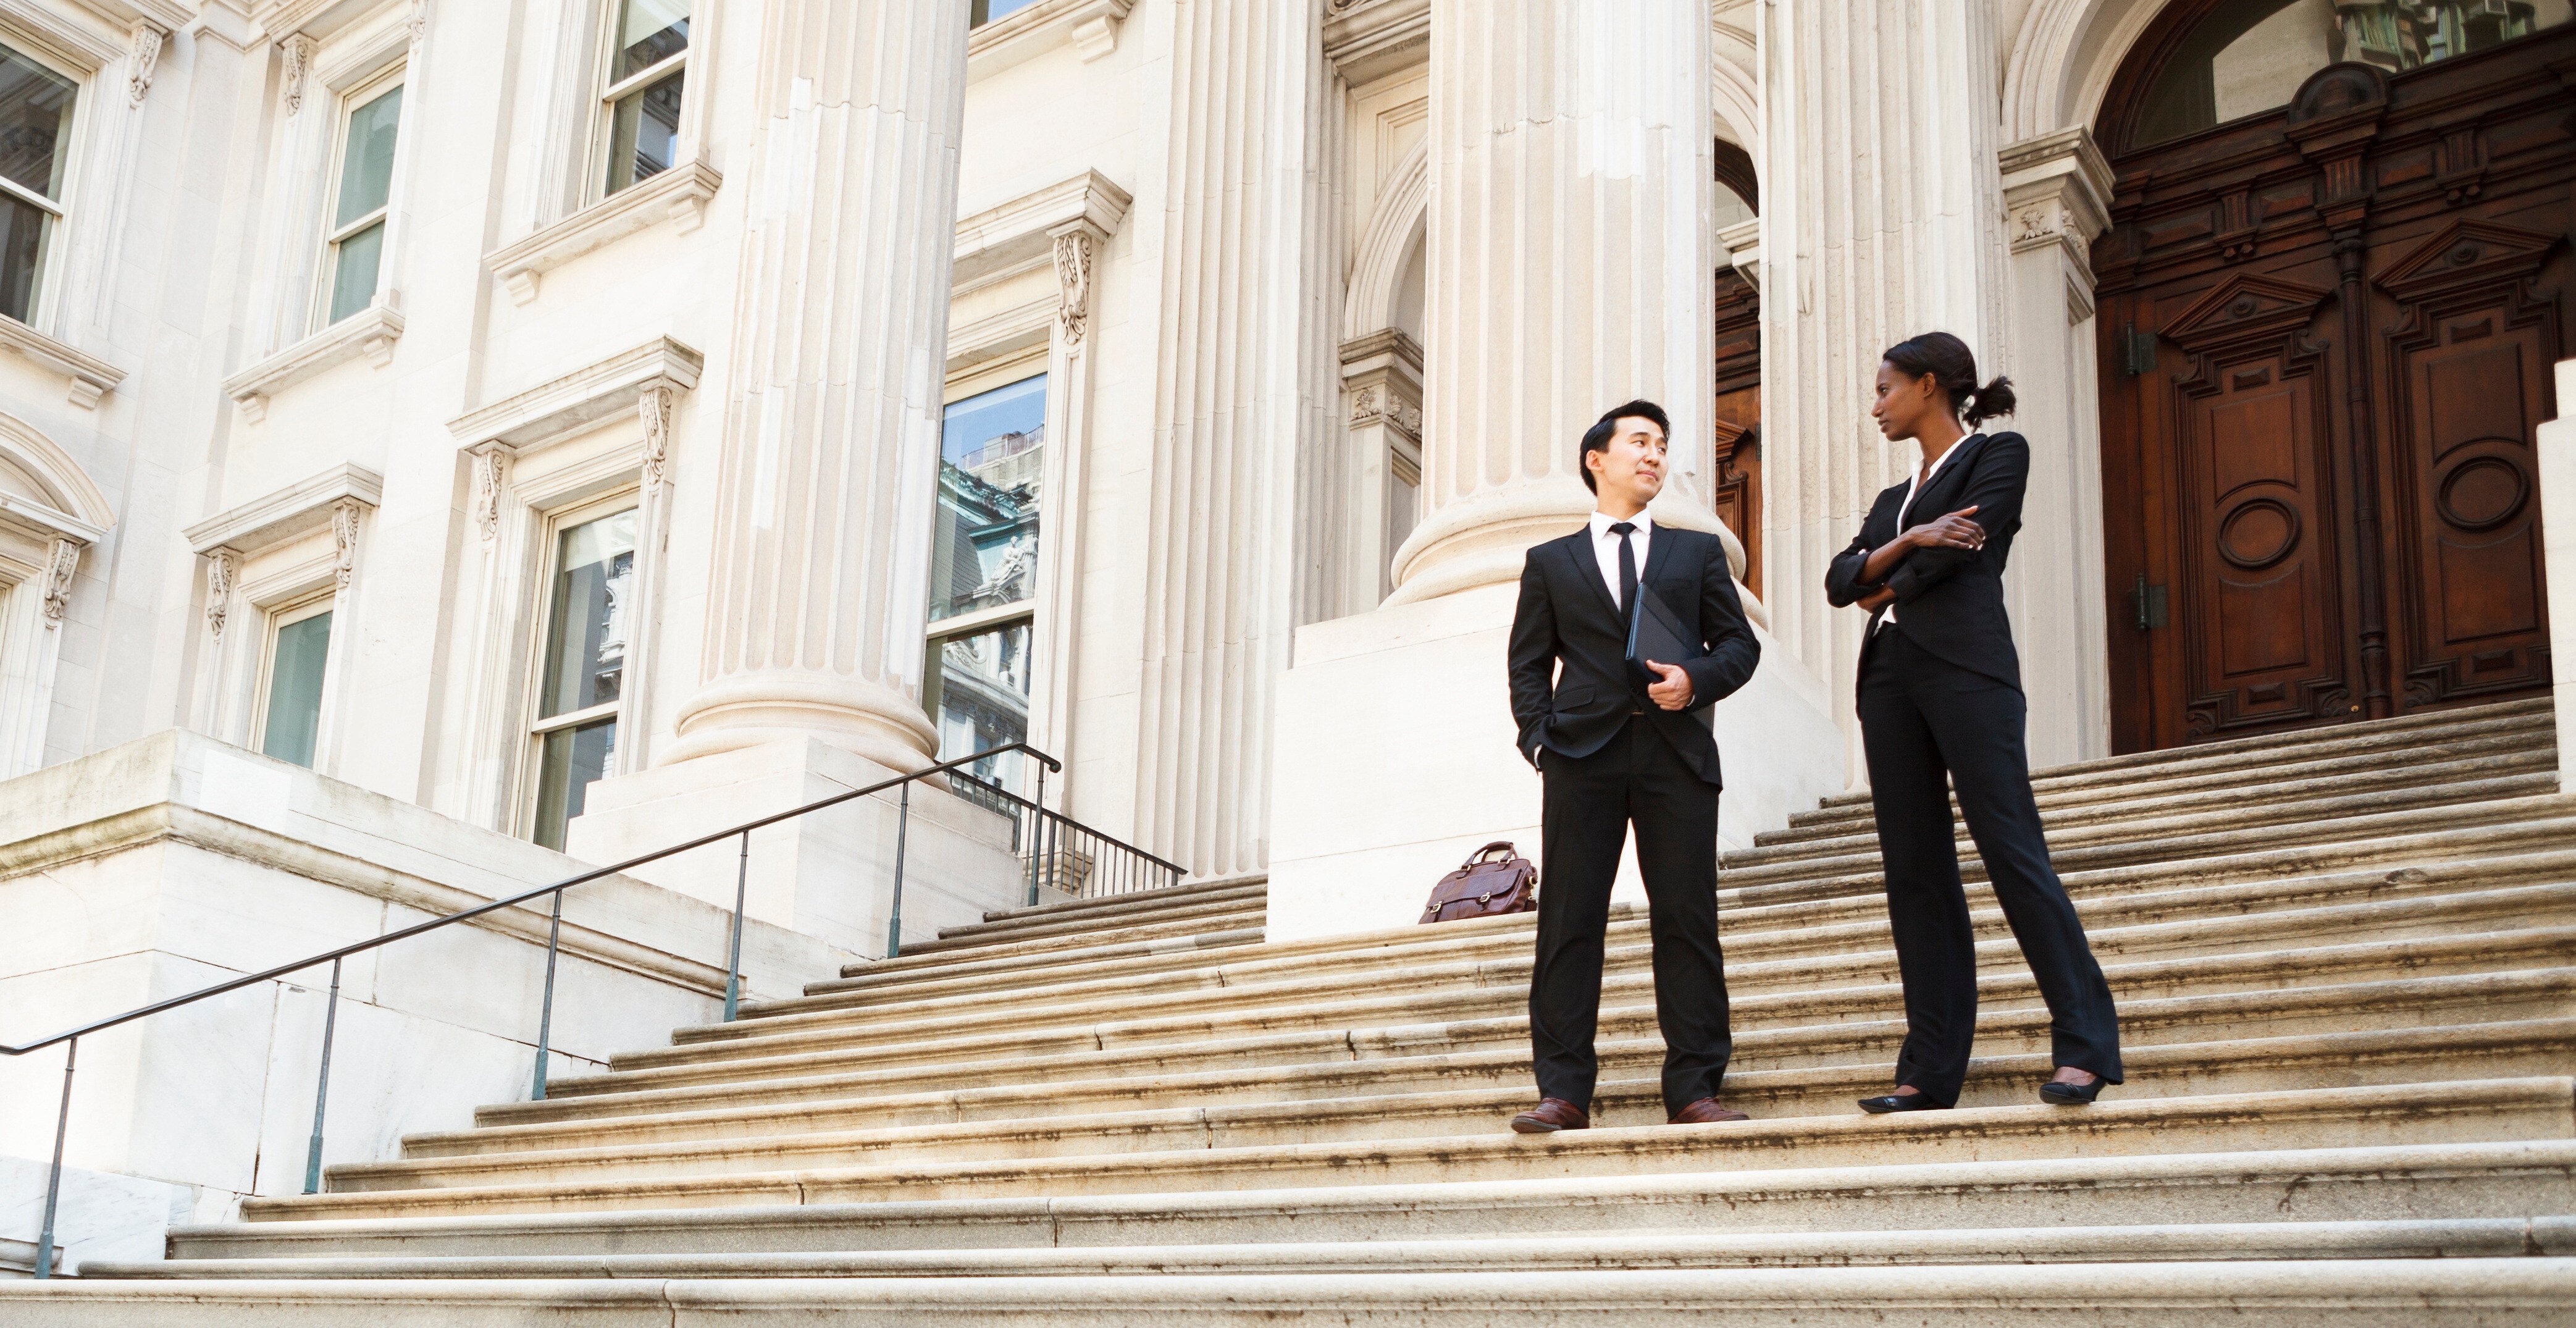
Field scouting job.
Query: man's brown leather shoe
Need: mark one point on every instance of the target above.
(1550, 1115)
(1706, 1111)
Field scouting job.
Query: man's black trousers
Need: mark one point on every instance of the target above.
(1589, 804)
(1930, 726)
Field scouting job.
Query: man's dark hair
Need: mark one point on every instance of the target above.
(1597, 438)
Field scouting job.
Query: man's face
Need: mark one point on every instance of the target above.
(1633, 463)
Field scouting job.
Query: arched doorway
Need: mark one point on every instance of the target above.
(2334, 284)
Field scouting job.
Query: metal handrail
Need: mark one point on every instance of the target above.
(70, 1038)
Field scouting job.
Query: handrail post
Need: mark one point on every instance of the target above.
(322, 1085)
(733, 959)
(546, 1011)
(1036, 837)
(894, 914)
(54, 1175)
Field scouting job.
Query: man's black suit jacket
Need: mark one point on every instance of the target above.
(1949, 601)
(1567, 614)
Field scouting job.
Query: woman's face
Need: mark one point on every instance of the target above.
(1902, 402)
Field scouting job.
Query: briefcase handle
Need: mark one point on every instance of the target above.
(1485, 854)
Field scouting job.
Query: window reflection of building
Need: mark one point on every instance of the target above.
(584, 667)
(983, 573)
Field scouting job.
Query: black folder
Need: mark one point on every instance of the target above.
(1655, 633)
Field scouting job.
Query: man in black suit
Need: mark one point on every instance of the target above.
(1610, 756)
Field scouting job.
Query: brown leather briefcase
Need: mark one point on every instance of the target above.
(1485, 885)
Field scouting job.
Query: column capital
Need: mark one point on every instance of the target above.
(2057, 190)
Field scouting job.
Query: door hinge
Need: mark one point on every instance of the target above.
(2137, 350)
(2149, 602)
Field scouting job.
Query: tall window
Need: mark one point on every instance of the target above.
(584, 666)
(299, 645)
(357, 239)
(992, 451)
(985, 11)
(647, 63)
(35, 112)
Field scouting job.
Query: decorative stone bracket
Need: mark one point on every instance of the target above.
(1091, 27)
(370, 333)
(679, 195)
(87, 377)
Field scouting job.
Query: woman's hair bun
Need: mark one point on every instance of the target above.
(1951, 364)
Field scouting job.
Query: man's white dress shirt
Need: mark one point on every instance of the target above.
(1914, 485)
(1606, 546)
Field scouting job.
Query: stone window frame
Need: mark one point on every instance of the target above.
(604, 98)
(305, 596)
(580, 501)
(270, 555)
(567, 444)
(347, 102)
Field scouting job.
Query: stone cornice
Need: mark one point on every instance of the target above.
(371, 332)
(291, 512)
(1368, 39)
(679, 194)
(1090, 26)
(87, 376)
(1743, 244)
(525, 421)
(280, 19)
(102, 39)
(45, 522)
(1002, 242)
(2057, 192)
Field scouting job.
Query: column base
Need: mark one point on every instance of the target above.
(869, 719)
(1395, 758)
(829, 874)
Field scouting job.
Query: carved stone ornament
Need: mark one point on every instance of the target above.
(1073, 278)
(58, 580)
(344, 539)
(144, 58)
(418, 22)
(653, 406)
(223, 566)
(491, 471)
(297, 52)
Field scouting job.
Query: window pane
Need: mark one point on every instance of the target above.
(992, 450)
(585, 657)
(2251, 57)
(367, 162)
(648, 33)
(35, 103)
(979, 697)
(985, 11)
(644, 133)
(353, 271)
(22, 255)
(295, 689)
(572, 758)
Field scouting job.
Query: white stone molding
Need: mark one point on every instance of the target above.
(50, 512)
(416, 24)
(653, 408)
(491, 476)
(678, 195)
(1504, 397)
(1382, 379)
(344, 544)
(263, 523)
(816, 596)
(295, 69)
(68, 503)
(1368, 39)
(223, 569)
(369, 334)
(58, 580)
(1003, 242)
(1090, 27)
(1073, 259)
(86, 377)
(141, 60)
(2057, 194)
(2063, 58)
(1736, 73)
(1387, 242)
(560, 407)
(1743, 245)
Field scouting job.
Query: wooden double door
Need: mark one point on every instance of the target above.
(2326, 338)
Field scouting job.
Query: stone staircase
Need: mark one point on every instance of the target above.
(2346, 963)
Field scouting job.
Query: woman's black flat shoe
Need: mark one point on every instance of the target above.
(1888, 1102)
(2071, 1095)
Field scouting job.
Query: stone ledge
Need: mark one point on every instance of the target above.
(551, 410)
(88, 376)
(679, 195)
(1089, 26)
(299, 509)
(371, 332)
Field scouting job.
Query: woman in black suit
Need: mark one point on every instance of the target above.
(1941, 706)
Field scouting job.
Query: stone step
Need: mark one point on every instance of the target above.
(2379, 903)
(1178, 1073)
(2471, 1111)
(1795, 1004)
(2303, 816)
(1458, 1092)
(1051, 956)
(2449, 765)
(2420, 1182)
(2399, 731)
(2457, 1238)
(2294, 1293)
(1188, 892)
(982, 934)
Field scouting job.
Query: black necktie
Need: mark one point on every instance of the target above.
(1627, 563)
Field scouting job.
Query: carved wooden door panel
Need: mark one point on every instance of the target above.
(1737, 493)
(2326, 337)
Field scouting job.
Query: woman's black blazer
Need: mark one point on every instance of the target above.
(1951, 601)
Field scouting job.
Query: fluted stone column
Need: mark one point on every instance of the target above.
(815, 604)
(1571, 267)
(1882, 217)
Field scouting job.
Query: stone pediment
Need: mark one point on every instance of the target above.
(2242, 309)
(2467, 252)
